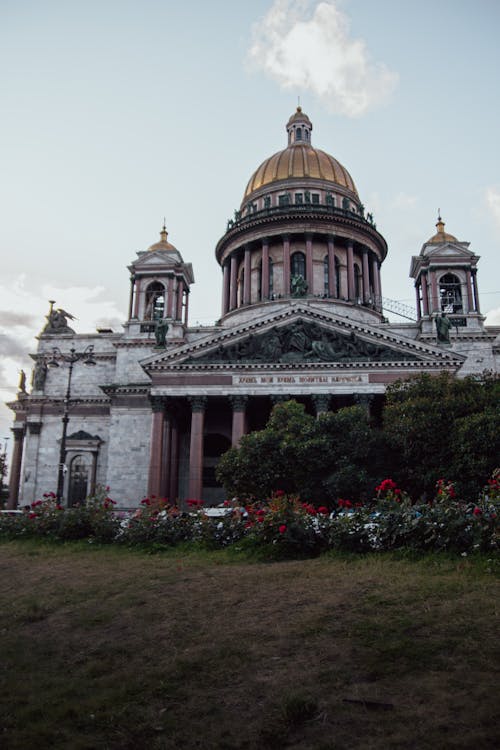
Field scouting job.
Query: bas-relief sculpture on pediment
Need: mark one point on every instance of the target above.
(302, 341)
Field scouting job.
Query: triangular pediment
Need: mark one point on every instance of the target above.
(448, 250)
(296, 336)
(156, 258)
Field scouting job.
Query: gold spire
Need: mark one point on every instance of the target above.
(164, 233)
(440, 223)
(441, 236)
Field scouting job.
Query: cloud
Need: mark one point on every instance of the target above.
(493, 203)
(12, 347)
(9, 319)
(493, 317)
(310, 49)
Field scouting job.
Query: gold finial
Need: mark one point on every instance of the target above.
(440, 222)
(164, 233)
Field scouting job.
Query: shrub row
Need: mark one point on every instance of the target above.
(283, 524)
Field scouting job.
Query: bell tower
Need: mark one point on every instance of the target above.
(159, 289)
(445, 274)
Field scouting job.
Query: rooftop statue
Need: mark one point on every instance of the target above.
(57, 321)
(161, 328)
(443, 325)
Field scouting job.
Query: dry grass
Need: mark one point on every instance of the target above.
(115, 649)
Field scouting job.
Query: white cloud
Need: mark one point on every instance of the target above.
(306, 48)
(493, 317)
(493, 203)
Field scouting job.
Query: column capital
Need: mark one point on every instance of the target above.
(280, 398)
(19, 431)
(158, 403)
(238, 402)
(364, 399)
(198, 403)
(321, 402)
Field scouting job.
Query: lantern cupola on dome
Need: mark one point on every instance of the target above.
(299, 128)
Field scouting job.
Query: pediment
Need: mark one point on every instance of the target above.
(299, 336)
(448, 250)
(157, 258)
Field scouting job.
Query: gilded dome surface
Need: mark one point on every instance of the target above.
(299, 160)
(296, 162)
(441, 236)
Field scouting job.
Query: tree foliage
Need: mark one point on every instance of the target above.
(442, 426)
(318, 459)
(433, 427)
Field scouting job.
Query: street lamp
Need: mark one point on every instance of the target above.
(71, 359)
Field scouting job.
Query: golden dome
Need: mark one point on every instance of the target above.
(163, 244)
(441, 236)
(299, 161)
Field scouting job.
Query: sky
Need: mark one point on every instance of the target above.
(117, 113)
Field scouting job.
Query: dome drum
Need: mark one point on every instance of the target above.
(311, 265)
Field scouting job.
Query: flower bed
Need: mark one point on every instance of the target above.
(282, 523)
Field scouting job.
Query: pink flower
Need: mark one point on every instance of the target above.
(282, 528)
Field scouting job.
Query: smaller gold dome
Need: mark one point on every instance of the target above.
(441, 236)
(163, 244)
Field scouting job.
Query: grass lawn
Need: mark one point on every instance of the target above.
(112, 648)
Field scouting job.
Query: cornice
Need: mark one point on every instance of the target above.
(272, 218)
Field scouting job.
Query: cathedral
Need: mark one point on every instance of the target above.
(149, 410)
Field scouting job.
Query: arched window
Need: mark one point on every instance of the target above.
(326, 283)
(155, 301)
(450, 294)
(298, 265)
(299, 134)
(357, 282)
(78, 480)
(337, 277)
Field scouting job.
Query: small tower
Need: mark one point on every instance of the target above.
(445, 282)
(159, 289)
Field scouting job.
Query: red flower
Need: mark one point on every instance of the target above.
(32, 515)
(386, 485)
(347, 504)
(282, 528)
(477, 511)
(323, 509)
(146, 501)
(279, 493)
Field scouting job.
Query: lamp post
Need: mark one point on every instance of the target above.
(71, 359)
